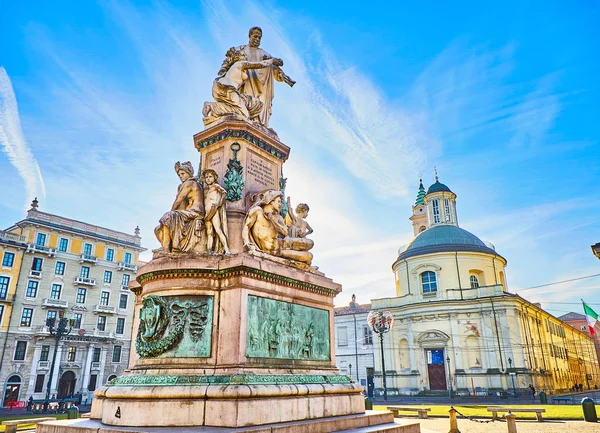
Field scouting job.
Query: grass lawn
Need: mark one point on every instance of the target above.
(29, 416)
(565, 412)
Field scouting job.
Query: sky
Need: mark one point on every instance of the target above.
(98, 99)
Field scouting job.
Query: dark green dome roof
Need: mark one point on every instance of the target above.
(437, 187)
(444, 238)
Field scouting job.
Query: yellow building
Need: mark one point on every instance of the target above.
(456, 324)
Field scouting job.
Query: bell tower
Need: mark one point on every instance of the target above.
(419, 216)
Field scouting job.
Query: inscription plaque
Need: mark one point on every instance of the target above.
(261, 171)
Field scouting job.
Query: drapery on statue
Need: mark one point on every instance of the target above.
(182, 229)
(216, 215)
(244, 85)
(265, 230)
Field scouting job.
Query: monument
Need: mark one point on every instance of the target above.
(233, 324)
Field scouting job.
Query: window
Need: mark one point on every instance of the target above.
(127, 258)
(87, 249)
(59, 269)
(428, 282)
(20, 351)
(96, 355)
(447, 209)
(108, 277)
(4, 282)
(36, 264)
(1, 313)
(104, 297)
(474, 282)
(63, 244)
(71, 354)
(368, 335)
(81, 295)
(123, 301)
(342, 337)
(85, 272)
(583, 327)
(8, 260)
(120, 325)
(41, 239)
(125, 280)
(45, 353)
(77, 317)
(55, 292)
(116, 354)
(436, 211)
(32, 287)
(92, 384)
(26, 316)
(51, 315)
(110, 255)
(39, 383)
(101, 323)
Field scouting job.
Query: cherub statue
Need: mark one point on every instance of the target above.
(181, 229)
(298, 227)
(216, 215)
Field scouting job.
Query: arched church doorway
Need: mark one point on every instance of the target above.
(66, 384)
(12, 390)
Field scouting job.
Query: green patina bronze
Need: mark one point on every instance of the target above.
(239, 379)
(284, 330)
(175, 327)
(234, 181)
(244, 135)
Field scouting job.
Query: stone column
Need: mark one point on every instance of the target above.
(489, 342)
(456, 349)
(100, 378)
(87, 368)
(414, 381)
(53, 385)
(34, 365)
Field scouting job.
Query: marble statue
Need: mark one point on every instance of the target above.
(298, 228)
(244, 85)
(264, 229)
(216, 215)
(182, 229)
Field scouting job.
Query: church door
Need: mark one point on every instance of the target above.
(436, 369)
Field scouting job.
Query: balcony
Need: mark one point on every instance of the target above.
(95, 366)
(34, 248)
(122, 266)
(125, 288)
(85, 281)
(43, 330)
(35, 274)
(105, 334)
(43, 365)
(55, 303)
(104, 309)
(88, 258)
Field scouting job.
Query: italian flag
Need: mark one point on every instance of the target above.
(591, 317)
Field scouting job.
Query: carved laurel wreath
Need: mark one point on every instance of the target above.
(149, 346)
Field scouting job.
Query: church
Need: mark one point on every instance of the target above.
(458, 329)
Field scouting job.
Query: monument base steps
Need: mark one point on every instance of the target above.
(369, 422)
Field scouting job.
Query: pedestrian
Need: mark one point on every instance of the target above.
(532, 390)
(29, 403)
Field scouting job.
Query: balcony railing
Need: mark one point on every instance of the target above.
(35, 274)
(88, 258)
(95, 366)
(35, 248)
(86, 281)
(125, 288)
(57, 303)
(99, 333)
(127, 267)
(42, 330)
(43, 365)
(104, 309)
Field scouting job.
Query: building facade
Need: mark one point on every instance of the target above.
(578, 321)
(457, 328)
(71, 269)
(354, 342)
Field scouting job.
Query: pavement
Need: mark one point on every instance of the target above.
(441, 425)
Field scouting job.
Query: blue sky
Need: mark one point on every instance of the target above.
(98, 99)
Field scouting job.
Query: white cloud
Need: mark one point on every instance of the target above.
(14, 143)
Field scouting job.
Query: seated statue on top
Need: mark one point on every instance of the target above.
(265, 230)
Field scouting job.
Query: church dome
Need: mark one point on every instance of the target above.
(444, 238)
(438, 187)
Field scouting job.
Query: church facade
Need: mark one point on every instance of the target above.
(457, 328)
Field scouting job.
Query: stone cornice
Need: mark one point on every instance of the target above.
(238, 379)
(242, 135)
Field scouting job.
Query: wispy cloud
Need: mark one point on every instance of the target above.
(14, 143)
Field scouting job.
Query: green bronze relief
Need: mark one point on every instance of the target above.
(175, 327)
(284, 330)
(238, 379)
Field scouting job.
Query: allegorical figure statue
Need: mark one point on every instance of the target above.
(244, 84)
(182, 229)
(216, 215)
(265, 229)
(299, 227)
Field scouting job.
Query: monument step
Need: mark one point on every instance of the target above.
(387, 428)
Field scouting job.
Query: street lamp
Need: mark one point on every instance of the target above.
(449, 378)
(58, 333)
(512, 376)
(380, 323)
(350, 365)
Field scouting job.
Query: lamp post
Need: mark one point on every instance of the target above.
(350, 365)
(512, 376)
(449, 378)
(58, 333)
(381, 322)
